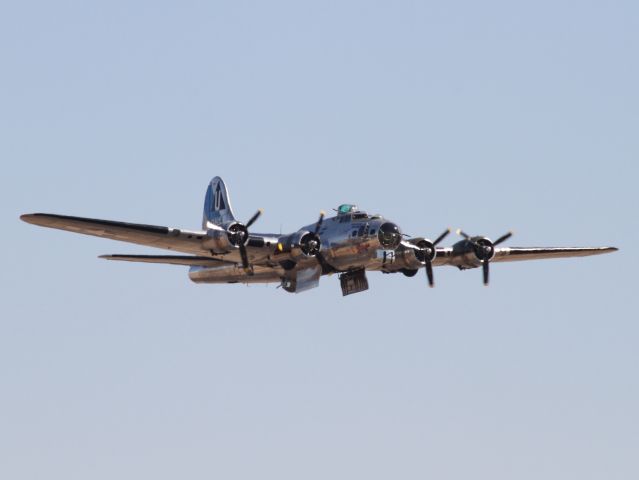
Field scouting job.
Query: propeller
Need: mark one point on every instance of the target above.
(427, 252)
(484, 250)
(312, 246)
(311, 242)
(239, 235)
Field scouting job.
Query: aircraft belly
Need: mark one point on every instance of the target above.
(235, 274)
(347, 256)
(365, 256)
(349, 262)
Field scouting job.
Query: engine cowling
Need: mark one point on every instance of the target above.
(300, 245)
(415, 257)
(476, 251)
(224, 238)
(472, 252)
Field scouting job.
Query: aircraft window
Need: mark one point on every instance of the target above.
(354, 233)
(372, 232)
(361, 230)
(359, 216)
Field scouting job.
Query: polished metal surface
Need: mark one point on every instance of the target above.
(349, 243)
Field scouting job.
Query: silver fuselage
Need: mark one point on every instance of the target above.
(348, 242)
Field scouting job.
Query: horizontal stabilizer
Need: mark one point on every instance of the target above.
(170, 260)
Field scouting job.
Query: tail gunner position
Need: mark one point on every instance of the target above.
(350, 243)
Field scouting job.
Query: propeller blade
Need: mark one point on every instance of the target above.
(254, 218)
(318, 225)
(245, 261)
(465, 235)
(326, 267)
(429, 274)
(485, 269)
(442, 236)
(503, 238)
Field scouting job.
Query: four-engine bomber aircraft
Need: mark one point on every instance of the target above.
(349, 244)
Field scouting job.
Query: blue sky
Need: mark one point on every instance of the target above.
(488, 116)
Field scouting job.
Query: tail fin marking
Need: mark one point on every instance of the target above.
(217, 206)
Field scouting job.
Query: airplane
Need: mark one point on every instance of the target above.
(350, 243)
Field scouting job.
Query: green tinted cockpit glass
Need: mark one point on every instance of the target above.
(346, 208)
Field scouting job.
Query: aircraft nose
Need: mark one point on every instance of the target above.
(389, 235)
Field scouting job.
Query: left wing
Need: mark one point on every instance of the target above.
(185, 260)
(186, 241)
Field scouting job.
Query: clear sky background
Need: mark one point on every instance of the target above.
(484, 115)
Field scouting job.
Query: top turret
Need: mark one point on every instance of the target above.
(347, 208)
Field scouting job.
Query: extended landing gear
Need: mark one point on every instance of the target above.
(409, 272)
(353, 282)
(301, 280)
(289, 285)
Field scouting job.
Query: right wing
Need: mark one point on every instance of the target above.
(513, 254)
(186, 241)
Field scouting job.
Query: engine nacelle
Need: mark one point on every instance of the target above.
(299, 245)
(224, 238)
(410, 258)
(406, 258)
(472, 253)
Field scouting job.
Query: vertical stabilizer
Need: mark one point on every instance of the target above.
(217, 207)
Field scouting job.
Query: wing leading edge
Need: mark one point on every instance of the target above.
(184, 260)
(185, 241)
(515, 254)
